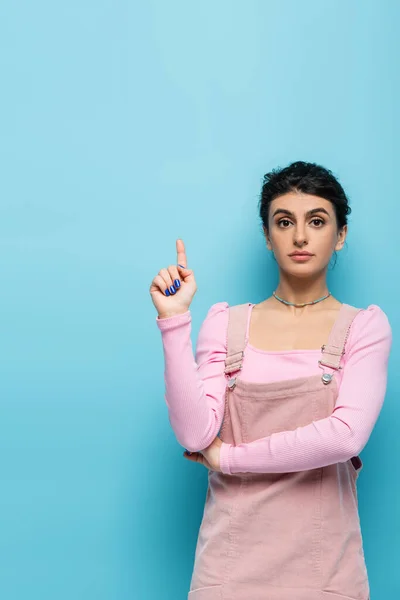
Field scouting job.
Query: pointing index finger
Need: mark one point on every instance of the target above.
(181, 254)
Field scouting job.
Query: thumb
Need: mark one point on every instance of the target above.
(184, 270)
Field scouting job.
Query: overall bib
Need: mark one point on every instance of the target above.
(280, 536)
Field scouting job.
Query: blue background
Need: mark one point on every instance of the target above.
(124, 126)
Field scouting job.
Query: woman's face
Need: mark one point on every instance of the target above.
(300, 221)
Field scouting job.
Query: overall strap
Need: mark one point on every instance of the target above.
(236, 337)
(334, 349)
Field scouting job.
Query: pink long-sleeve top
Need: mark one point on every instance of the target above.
(195, 392)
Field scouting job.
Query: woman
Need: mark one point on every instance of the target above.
(278, 402)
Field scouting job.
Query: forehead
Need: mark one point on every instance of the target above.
(300, 203)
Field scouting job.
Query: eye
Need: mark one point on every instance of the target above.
(287, 221)
(283, 220)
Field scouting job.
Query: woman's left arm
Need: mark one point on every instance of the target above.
(346, 431)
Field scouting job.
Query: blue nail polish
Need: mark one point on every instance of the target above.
(187, 452)
(167, 292)
(177, 283)
(172, 289)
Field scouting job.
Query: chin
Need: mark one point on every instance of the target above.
(301, 270)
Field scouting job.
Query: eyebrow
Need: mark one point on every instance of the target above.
(308, 213)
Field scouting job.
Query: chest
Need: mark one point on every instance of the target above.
(270, 331)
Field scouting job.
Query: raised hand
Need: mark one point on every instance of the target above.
(172, 290)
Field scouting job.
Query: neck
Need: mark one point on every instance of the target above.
(301, 291)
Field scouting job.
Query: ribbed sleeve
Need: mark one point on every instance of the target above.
(346, 431)
(195, 385)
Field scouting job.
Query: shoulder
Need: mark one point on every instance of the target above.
(219, 308)
(219, 312)
(373, 317)
(214, 327)
(211, 339)
(216, 320)
(370, 328)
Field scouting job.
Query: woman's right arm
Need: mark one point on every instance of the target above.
(195, 385)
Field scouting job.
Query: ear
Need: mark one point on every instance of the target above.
(341, 238)
(267, 240)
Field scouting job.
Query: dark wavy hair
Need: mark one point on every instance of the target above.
(308, 178)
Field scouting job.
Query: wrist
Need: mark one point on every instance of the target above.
(224, 458)
(167, 315)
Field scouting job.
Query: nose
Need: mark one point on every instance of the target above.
(300, 236)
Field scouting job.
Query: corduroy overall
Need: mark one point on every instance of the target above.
(280, 536)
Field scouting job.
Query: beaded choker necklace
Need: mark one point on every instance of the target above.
(304, 303)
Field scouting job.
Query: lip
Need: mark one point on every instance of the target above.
(300, 257)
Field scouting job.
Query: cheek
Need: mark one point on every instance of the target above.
(325, 237)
